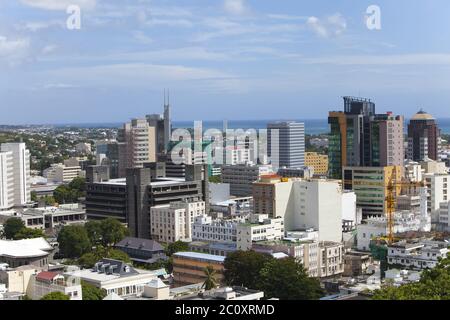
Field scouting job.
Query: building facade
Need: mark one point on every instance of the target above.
(423, 137)
(319, 162)
(286, 144)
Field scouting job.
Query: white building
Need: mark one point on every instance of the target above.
(205, 228)
(14, 175)
(417, 255)
(303, 204)
(377, 227)
(115, 277)
(438, 192)
(47, 282)
(173, 222)
(218, 192)
(259, 228)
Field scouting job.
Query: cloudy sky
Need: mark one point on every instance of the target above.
(221, 59)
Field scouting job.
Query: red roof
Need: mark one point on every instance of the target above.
(47, 275)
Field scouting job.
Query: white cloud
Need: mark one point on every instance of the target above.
(59, 86)
(13, 51)
(59, 4)
(390, 60)
(35, 26)
(49, 49)
(235, 6)
(333, 25)
(142, 38)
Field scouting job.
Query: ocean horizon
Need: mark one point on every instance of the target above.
(312, 126)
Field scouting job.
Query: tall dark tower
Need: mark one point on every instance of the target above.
(424, 137)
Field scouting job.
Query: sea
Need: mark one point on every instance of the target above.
(312, 126)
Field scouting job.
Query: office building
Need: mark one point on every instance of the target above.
(360, 137)
(286, 144)
(241, 177)
(371, 187)
(62, 173)
(319, 162)
(259, 228)
(438, 192)
(188, 267)
(423, 137)
(205, 228)
(107, 154)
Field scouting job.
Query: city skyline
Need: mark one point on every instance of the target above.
(253, 59)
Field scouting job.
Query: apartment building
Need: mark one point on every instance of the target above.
(61, 173)
(331, 258)
(302, 204)
(417, 255)
(259, 228)
(319, 162)
(438, 191)
(15, 180)
(174, 222)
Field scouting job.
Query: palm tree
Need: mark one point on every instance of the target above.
(210, 281)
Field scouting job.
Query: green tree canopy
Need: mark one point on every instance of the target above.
(73, 241)
(177, 246)
(242, 268)
(286, 279)
(94, 231)
(92, 293)
(434, 284)
(89, 259)
(11, 227)
(112, 231)
(55, 296)
(28, 233)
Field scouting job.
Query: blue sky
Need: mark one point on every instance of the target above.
(221, 59)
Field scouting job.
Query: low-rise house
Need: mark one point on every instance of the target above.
(115, 276)
(47, 282)
(142, 250)
(417, 255)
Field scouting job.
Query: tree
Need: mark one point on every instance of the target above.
(94, 231)
(11, 227)
(73, 241)
(242, 268)
(210, 281)
(55, 296)
(215, 179)
(434, 284)
(177, 246)
(92, 293)
(78, 184)
(34, 197)
(286, 279)
(89, 259)
(28, 233)
(112, 231)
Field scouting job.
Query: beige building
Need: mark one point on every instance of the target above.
(18, 279)
(188, 267)
(173, 222)
(331, 259)
(139, 145)
(317, 161)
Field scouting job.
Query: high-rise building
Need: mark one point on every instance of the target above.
(15, 180)
(107, 154)
(319, 162)
(286, 144)
(360, 137)
(140, 145)
(423, 137)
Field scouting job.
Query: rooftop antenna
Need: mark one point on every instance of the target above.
(164, 96)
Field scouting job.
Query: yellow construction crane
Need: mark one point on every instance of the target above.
(391, 198)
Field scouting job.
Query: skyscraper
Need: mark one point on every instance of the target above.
(360, 137)
(286, 144)
(14, 175)
(423, 137)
